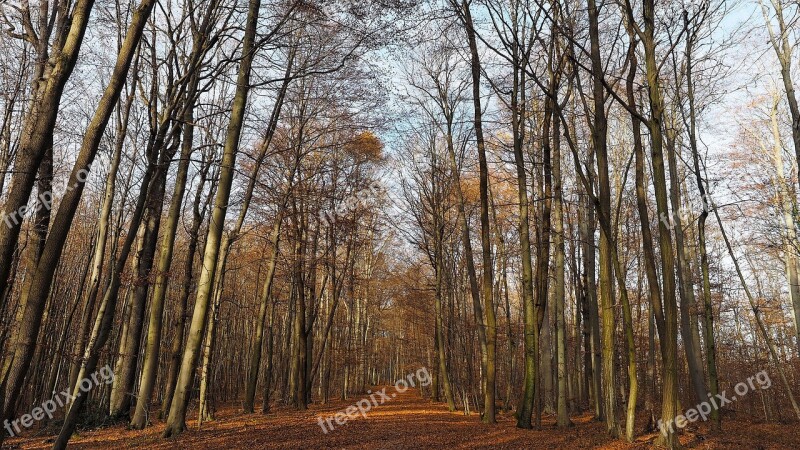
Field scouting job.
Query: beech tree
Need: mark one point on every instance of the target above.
(212, 204)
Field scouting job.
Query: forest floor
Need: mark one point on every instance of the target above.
(404, 422)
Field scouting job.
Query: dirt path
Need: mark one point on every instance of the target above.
(404, 422)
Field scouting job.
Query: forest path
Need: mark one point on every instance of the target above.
(403, 421)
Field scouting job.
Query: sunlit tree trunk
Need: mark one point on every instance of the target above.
(177, 414)
(166, 248)
(38, 128)
(178, 326)
(36, 296)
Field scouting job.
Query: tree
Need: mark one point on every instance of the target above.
(177, 414)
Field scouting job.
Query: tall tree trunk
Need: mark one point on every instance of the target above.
(587, 232)
(129, 354)
(178, 325)
(466, 240)
(607, 301)
(116, 394)
(38, 127)
(669, 337)
(166, 249)
(441, 356)
(176, 421)
(559, 291)
(690, 334)
(489, 322)
(255, 351)
(544, 190)
(630, 346)
(530, 313)
(270, 367)
(36, 297)
(655, 304)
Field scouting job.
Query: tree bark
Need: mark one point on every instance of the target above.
(177, 414)
(36, 297)
(607, 300)
(37, 132)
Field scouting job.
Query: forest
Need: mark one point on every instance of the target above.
(399, 224)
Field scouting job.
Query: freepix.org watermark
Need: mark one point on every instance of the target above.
(702, 410)
(45, 200)
(365, 405)
(357, 199)
(60, 400)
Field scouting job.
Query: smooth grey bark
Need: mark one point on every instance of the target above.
(37, 130)
(178, 325)
(40, 286)
(177, 414)
(200, 45)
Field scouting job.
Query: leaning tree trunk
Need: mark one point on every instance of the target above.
(163, 267)
(178, 325)
(105, 314)
(37, 133)
(125, 376)
(757, 315)
(40, 287)
(176, 421)
(166, 249)
(90, 295)
(255, 353)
